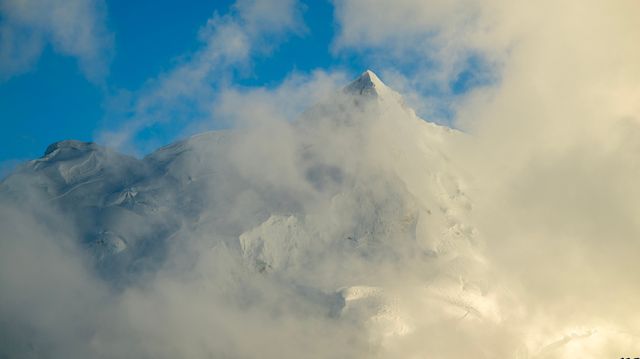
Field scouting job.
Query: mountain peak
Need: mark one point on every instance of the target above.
(73, 145)
(368, 84)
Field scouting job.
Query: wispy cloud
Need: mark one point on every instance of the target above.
(72, 27)
(228, 44)
(423, 48)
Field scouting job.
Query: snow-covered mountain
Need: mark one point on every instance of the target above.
(348, 157)
(355, 191)
(351, 225)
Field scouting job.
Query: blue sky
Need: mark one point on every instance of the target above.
(58, 96)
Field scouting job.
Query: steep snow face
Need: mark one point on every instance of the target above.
(368, 84)
(331, 209)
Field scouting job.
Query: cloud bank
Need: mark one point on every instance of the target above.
(551, 149)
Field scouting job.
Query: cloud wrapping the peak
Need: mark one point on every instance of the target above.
(551, 147)
(73, 27)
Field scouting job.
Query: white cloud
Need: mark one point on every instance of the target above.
(551, 146)
(73, 27)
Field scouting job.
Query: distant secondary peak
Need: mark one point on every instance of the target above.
(70, 144)
(367, 84)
